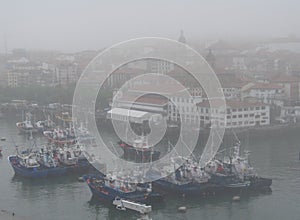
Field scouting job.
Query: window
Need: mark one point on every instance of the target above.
(263, 107)
(240, 116)
(263, 114)
(251, 115)
(240, 109)
(234, 116)
(245, 109)
(228, 117)
(246, 115)
(234, 110)
(257, 108)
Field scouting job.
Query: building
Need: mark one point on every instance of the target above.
(238, 64)
(231, 86)
(238, 114)
(17, 79)
(66, 73)
(122, 75)
(268, 93)
(150, 103)
(181, 38)
(211, 59)
(291, 86)
(159, 66)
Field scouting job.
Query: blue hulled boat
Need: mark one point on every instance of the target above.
(27, 166)
(49, 162)
(107, 188)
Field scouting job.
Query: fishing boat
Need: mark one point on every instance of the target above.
(83, 136)
(49, 161)
(26, 126)
(221, 175)
(109, 187)
(45, 125)
(192, 180)
(27, 166)
(61, 136)
(139, 151)
(187, 180)
(65, 117)
(241, 167)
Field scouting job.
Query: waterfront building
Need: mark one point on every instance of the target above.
(238, 114)
(268, 93)
(291, 86)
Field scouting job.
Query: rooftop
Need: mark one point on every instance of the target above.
(229, 80)
(152, 100)
(127, 112)
(285, 79)
(229, 103)
(266, 86)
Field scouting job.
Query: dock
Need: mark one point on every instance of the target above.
(123, 204)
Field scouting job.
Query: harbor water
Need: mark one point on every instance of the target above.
(275, 156)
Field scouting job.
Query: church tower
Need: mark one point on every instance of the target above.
(211, 59)
(181, 38)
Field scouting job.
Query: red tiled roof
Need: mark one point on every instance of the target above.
(229, 103)
(266, 86)
(229, 80)
(285, 79)
(159, 100)
(159, 87)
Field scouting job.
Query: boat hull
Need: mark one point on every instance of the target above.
(43, 172)
(108, 194)
(139, 156)
(188, 189)
(20, 170)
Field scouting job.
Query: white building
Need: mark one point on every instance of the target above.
(231, 86)
(291, 86)
(238, 114)
(66, 73)
(159, 66)
(267, 93)
(17, 79)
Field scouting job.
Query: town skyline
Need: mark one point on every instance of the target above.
(66, 26)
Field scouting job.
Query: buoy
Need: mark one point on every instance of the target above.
(182, 209)
(236, 198)
(80, 179)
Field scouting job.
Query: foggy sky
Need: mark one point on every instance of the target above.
(73, 25)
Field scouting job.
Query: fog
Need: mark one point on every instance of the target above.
(71, 25)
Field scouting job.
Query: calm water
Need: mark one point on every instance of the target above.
(274, 156)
